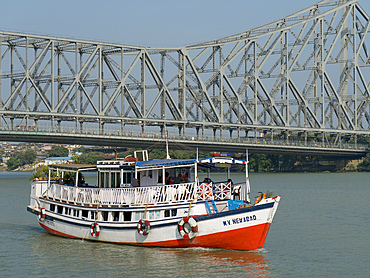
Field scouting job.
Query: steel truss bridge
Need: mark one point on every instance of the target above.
(304, 76)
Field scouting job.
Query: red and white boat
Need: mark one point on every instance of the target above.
(133, 204)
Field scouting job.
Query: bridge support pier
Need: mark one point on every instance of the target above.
(101, 128)
(272, 136)
(52, 123)
(122, 127)
(305, 138)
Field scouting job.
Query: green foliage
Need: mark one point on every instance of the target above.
(13, 163)
(70, 178)
(76, 158)
(81, 149)
(367, 160)
(21, 158)
(90, 158)
(41, 172)
(58, 151)
(124, 154)
(364, 165)
(27, 157)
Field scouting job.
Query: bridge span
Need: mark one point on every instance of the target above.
(305, 76)
(136, 139)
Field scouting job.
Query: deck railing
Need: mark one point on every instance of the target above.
(219, 190)
(123, 196)
(139, 196)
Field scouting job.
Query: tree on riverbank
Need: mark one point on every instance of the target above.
(21, 158)
(58, 151)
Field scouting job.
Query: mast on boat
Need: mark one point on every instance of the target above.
(168, 154)
(247, 177)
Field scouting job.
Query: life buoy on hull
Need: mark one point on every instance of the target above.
(94, 229)
(260, 198)
(188, 227)
(143, 227)
(42, 214)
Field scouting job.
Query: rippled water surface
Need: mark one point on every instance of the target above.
(321, 229)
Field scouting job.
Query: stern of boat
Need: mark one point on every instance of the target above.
(38, 187)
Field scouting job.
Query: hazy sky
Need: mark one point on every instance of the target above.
(145, 23)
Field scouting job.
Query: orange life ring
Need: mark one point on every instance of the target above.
(42, 214)
(205, 191)
(143, 227)
(260, 198)
(95, 229)
(188, 227)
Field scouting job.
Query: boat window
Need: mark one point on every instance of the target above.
(127, 216)
(75, 212)
(126, 178)
(106, 180)
(154, 214)
(182, 175)
(173, 212)
(66, 211)
(92, 215)
(85, 213)
(115, 215)
(168, 213)
(101, 180)
(105, 215)
(115, 182)
(60, 209)
(52, 207)
(139, 215)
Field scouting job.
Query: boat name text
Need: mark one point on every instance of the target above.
(239, 220)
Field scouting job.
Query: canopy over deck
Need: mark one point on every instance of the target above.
(207, 162)
(74, 167)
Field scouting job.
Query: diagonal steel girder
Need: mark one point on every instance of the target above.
(282, 75)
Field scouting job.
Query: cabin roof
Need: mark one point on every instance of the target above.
(75, 167)
(207, 162)
(165, 162)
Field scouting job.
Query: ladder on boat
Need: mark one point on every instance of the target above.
(211, 207)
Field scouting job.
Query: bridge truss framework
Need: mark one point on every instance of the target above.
(306, 74)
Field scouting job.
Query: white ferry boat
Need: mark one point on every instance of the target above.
(154, 203)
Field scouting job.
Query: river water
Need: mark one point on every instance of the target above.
(321, 229)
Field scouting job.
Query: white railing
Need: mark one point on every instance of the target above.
(123, 196)
(218, 191)
(222, 190)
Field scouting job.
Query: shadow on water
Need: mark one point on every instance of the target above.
(71, 258)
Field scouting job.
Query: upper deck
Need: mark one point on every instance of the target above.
(139, 183)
